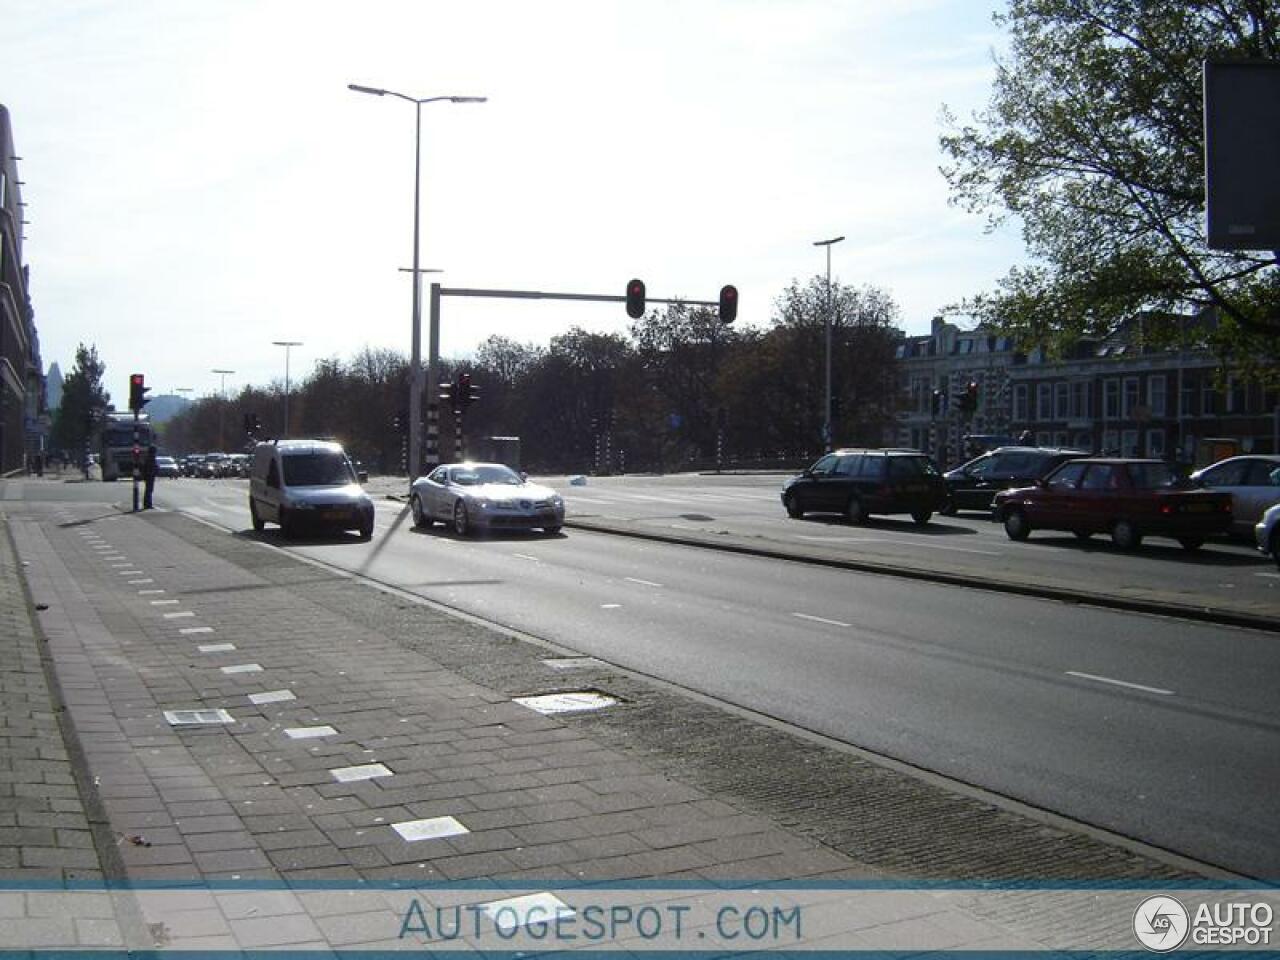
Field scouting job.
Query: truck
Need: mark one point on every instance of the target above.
(117, 441)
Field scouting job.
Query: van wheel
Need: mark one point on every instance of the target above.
(1016, 525)
(461, 522)
(921, 517)
(288, 526)
(258, 522)
(854, 511)
(793, 506)
(421, 519)
(1125, 535)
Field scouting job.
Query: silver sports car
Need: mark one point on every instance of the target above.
(472, 496)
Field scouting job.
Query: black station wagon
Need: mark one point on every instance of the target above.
(858, 483)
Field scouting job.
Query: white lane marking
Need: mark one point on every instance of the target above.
(1120, 683)
(646, 583)
(834, 623)
(610, 606)
(179, 616)
(147, 580)
(188, 631)
(143, 593)
(1273, 576)
(525, 556)
(164, 603)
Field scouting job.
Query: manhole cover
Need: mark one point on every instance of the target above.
(574, 702)
(187, 718)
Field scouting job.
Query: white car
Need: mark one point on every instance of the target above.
(470, 496)
(1267, 533)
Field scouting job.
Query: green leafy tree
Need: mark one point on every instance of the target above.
(84, 399)
(1093, 140)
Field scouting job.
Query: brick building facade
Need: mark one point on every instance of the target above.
(1114, 396)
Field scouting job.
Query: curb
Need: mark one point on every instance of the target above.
(1185, 611)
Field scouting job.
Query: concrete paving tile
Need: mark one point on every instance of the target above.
(277, 931)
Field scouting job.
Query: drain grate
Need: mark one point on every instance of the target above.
(572, 702)
(187, 718)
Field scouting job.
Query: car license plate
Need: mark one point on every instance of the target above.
(334, 515)
(1198, 507)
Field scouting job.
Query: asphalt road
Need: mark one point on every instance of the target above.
(1152, 727)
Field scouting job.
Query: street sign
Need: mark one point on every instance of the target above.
(1242, 154)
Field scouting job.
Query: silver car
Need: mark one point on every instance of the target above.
(1253, 480)
(1267, 533)
(471, 496)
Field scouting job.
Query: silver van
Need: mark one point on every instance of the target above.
(307, 485)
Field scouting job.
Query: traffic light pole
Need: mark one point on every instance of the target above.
(433, 348)
(137, 466)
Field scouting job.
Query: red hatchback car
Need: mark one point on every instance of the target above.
(1129, 499)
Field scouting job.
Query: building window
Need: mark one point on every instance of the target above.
(1044, 401)
(1060, 438)
(1129, 443)
(1188, 400)
(1110, 443)
(1130, 399)
(1080, 399)
(1208, 397)
(1156, 387)
(1236, 400)
(1111, 400)
(1155, 444)
(1061, 401)
(1021, 403)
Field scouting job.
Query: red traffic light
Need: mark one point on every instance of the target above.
(728, 303)
(137, 392)
(635, 299)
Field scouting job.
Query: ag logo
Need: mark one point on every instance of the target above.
(1161, 923)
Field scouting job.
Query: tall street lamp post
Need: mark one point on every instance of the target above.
(287, 344)
(415, 360)
(222, 403)
(826, 416)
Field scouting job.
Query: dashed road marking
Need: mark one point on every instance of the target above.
(644, 583)
(834, 623)
(1121, 683)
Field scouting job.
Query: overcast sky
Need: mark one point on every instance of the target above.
(201, 182)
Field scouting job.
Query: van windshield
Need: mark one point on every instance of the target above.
(317, 470)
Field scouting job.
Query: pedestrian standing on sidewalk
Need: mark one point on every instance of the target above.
(149, 476)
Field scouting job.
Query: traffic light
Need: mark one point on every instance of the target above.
(635, 299)
(971, 397)
(137, 392)
(728, 303)
(400, 421)
(252, 424)
(936, 402)
(462, 391)
(450, 395)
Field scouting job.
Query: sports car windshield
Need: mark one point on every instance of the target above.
(475, 476)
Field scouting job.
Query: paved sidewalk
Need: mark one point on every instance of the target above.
(368, 737)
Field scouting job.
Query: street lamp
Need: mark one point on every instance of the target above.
(826, 416)
(415, 360)
(222, 407)
(287, 344)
